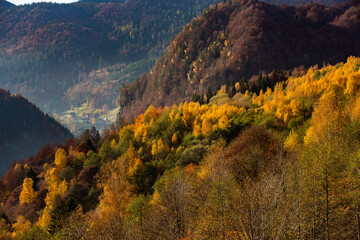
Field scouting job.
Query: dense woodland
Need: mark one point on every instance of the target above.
(24, 129)
(47, 48)
(234, 41)
(4, 5)
(50, 51)
(297, 2)
(252, 148)
(281, 164)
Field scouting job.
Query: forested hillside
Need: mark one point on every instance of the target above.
(233, 41)
(297, 2)
(246, 128)
(281, 164)
(24, 129)
(4, 5)
(47, 48)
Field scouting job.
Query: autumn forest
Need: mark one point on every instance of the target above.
(214, 142)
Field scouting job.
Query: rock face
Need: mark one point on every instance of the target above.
(24, 129)
(239, 39)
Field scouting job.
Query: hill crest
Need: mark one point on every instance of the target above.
(237, 40)
(24, 129)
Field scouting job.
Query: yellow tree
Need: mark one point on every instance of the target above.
(206, 126)
(22, 225)
(237, 87)
(60, 158)
(174, 139)
(109, 218)
(113, 144)
(159, 147)
(327, 120)
(292, 142)
(354, 110)
(187, 115)
(28, 194)
(55, 187)
(152, 113)
(224, 122)
(5, 230)
(322, 165)
(324, 160)
(197, 130)
(353, 83)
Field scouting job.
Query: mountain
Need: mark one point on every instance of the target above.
(103, 1)
(4, 5)
(24, 129)
(233, 166)
(297, 2)
(100, 87)
(239, 39)
(47, 48)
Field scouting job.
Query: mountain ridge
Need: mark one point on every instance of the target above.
(5, 5)
(46, 48)
(182, 164)
(238, 40)
(24, 129)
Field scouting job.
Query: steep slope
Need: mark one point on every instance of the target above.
(240, 165)
(101, 87)
(46, 48)
(4, 5)
(296, 2)
(103, 1)
(237, 40)
(24, 129)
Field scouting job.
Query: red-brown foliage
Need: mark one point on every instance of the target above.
(253, 152)
(87, 174)
(240, 39)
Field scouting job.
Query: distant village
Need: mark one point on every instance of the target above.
(78, 123)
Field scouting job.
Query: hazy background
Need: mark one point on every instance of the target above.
(20, 2)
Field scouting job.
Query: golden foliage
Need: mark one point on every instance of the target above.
(224, 122)
(174, 139)
(206, 126)
(22, 225)
(292, 142)
(159, 147)
(60, 158)
(327, 120)
(225, 177)
(205, 118)
(135, 165)
(109, 217)
(55, 187)
(287, 103)
(5, 232)
(113, 144)
(354, 110)
(28, 194)
(17, 167)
